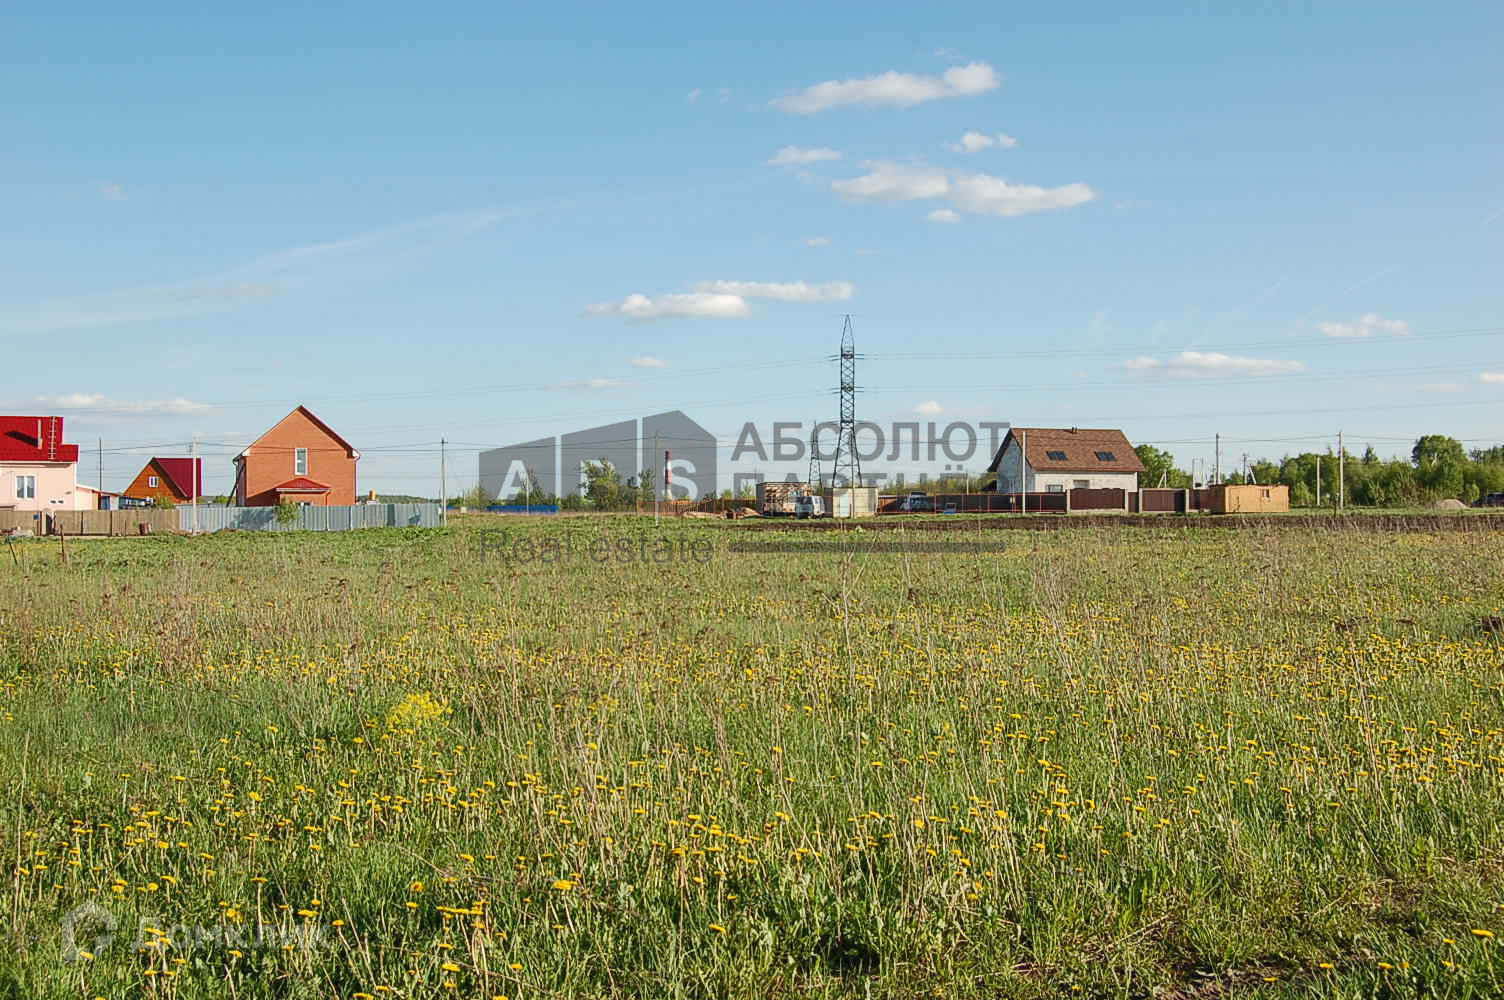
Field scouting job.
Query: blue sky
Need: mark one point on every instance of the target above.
(467, 222)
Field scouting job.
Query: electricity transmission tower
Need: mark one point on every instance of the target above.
(848, 465)
(813, 479)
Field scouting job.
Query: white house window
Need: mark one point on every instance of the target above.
(26, 487)
(151, 481)
(300, 462)
(1054, 488)
(1082, 484)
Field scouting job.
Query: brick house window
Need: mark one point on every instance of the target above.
(26, 487)
(300, 462)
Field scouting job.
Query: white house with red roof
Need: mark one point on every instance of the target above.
(37, 470)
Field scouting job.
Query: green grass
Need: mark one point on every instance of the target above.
(1188, 763)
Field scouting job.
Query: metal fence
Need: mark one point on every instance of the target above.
(310, 518)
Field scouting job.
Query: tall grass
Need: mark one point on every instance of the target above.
(1194, 763)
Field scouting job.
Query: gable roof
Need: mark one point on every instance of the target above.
(179, 473)
(34, 439)
(301, 484)
(306, 412)
(1079, 445)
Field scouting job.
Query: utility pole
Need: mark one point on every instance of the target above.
(101, 469)
(193, 475)
(443, 483)
(1341, 474)
(1318, 481)
(1023, 470)
(657, 503)
(1217, 462)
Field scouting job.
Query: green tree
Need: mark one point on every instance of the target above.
(1265, 471)
(1440, 464)
(604, 489)
(530, 491)
(1159, 468)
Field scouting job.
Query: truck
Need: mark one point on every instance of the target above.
(775, 499)
(809, 505)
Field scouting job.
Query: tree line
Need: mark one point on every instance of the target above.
(1439, 468)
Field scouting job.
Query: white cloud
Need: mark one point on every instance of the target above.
(97, 402)
(783, 291)
(894, 182)
(975, 142)
(817, 241)
(692, 96)
(647, 361)
(1199, 364)
(719, 299)
(1493, 378)
(891, 89)
(984, 194)
(591, 383)
(978, 194)
(929, 408)
(944, 215)
(681, 305)
(792, 155)
(1365, 326)
(111, 190)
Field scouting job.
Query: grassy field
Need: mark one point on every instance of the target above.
(1103, 762)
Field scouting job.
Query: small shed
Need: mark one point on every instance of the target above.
(1249, 498)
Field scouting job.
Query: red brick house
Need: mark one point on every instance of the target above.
(175, 479)
(299, 460)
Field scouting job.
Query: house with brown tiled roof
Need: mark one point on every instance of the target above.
(1057, 459)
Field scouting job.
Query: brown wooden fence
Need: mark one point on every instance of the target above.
(90, 522)
(983, 503)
